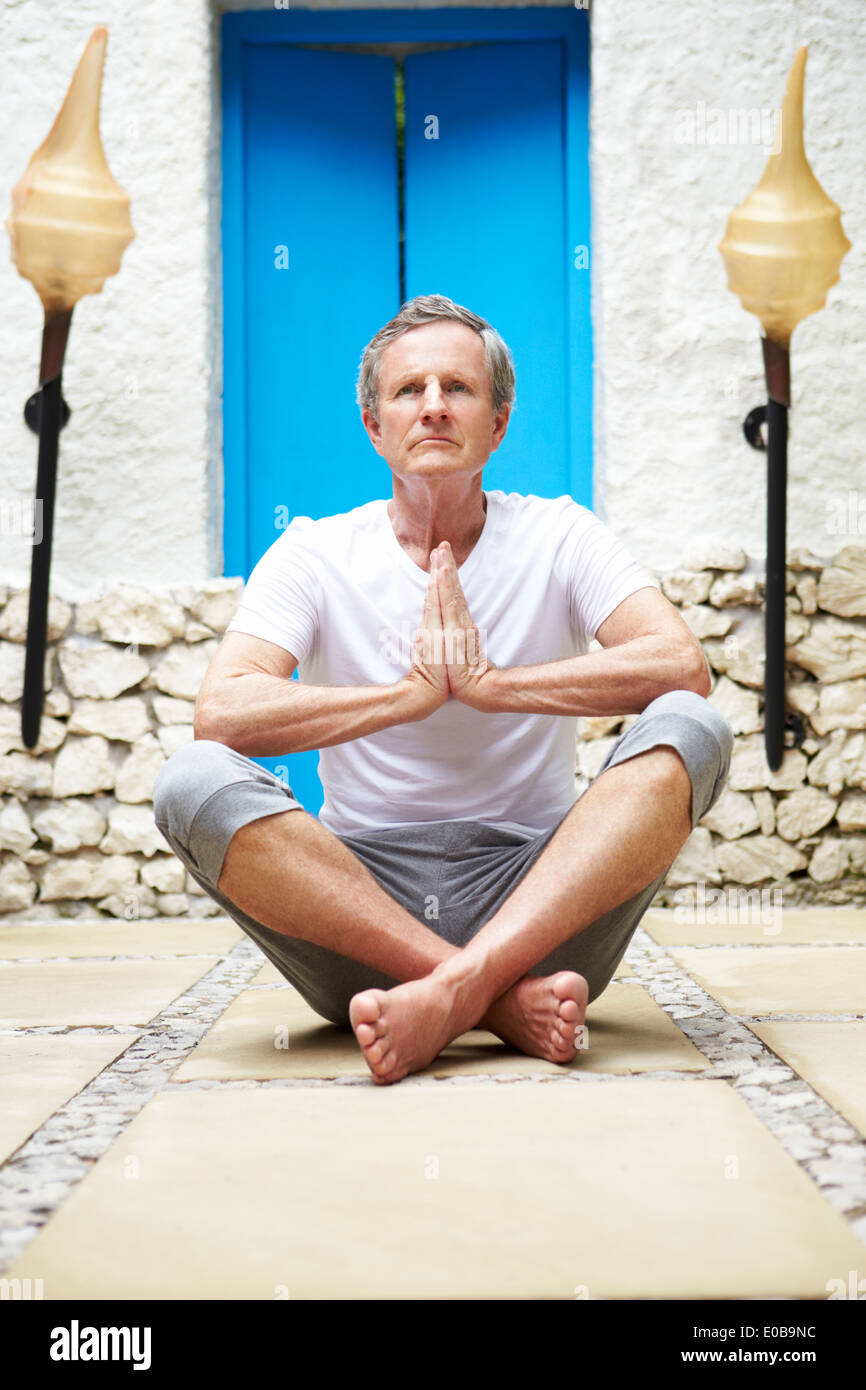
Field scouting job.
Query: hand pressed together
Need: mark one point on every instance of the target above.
(448, 656)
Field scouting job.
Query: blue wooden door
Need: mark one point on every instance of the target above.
(491, 208)
(485, 204)
(321, 265)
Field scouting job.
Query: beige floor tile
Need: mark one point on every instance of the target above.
(270, 975)
(154, 937)
(628, 1032)
(794, 926)
(443, 1192)
(82, 992)
(38, 1074)
(830, 1056)
(780, 979)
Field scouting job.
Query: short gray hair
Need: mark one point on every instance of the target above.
(428, 308)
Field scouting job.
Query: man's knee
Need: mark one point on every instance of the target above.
(701, 735)
(193, 773)
(697, 708)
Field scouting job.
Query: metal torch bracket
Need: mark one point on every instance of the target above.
(794, 724)
(33, 411)
(752, 427)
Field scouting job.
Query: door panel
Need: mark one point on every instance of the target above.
(321, 181)
(485, 225)
(320, 172)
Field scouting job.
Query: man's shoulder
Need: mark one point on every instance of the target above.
(311, 545)
(531, 510)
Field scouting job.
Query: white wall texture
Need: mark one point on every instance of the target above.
(678, 361)
(139, 478)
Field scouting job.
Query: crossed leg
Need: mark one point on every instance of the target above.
(625, 829)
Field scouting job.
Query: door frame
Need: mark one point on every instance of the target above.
(570, 26)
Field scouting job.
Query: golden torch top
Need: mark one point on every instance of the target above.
(784, 245)
(70, 218)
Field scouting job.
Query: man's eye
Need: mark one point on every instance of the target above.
(412, 386)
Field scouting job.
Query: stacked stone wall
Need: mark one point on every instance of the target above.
(77, 835)
(797, 834)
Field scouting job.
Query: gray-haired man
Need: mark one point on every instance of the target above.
(450, 880)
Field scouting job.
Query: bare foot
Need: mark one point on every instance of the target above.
(401, 1030)
(542, 1015)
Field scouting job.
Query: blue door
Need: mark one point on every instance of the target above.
(484, 218)
(354, 180)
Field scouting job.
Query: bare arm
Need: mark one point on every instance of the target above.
(248, 700)
(649, 649)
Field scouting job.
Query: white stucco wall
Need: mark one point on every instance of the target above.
(678, 360)
(139, 478)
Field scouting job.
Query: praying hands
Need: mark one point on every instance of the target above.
(448, 655)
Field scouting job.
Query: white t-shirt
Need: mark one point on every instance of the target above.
(344, 597)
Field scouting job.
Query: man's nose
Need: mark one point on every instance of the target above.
(433, 400)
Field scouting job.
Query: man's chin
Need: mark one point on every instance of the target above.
(443, 462)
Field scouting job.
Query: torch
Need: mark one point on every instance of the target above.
(782, 250)
(69, 227)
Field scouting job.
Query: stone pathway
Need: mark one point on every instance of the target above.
(176, 1123)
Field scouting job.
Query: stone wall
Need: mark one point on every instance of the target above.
(796, 834)
(77, 835)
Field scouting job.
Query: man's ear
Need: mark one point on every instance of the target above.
(371, 425)
(500, 425)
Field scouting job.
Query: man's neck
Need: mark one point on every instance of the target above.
(418, 534)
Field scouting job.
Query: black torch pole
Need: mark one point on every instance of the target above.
(777, 370)
(45, 412)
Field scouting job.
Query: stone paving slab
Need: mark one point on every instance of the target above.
(270, 975)
(272, 1033)
(789, 927)
(830, 1056)
(779, 979)
(96, 993)
(39, 1073)
(165, 937)
(624, 1190)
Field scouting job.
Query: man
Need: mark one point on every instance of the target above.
(450, 880)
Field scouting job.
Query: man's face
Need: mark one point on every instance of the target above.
(435, 412)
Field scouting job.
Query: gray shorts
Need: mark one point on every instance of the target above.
(452, 876)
